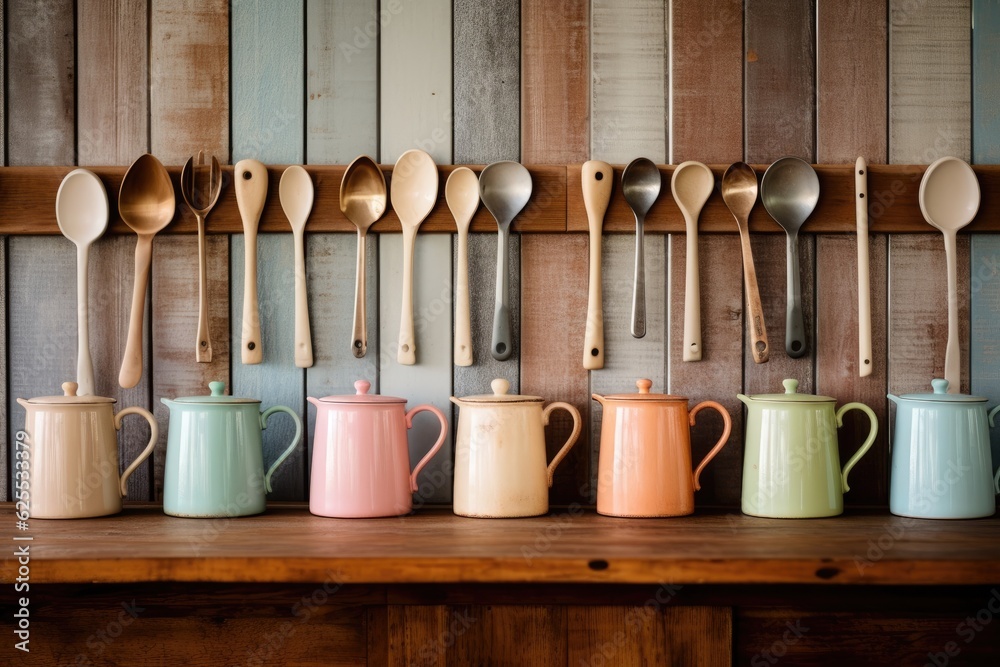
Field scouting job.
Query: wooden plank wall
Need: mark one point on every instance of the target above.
(97, 82)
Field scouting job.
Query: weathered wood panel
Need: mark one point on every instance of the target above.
(780, 74)
(189, 79)
(267, 125)
(851, 54)
(41, 76)
(707, 48)
(424, 86)
(929, 80)
(985, 82)
(112, 57)
(780, 113)
(555, 55)
(175, 318)
(341, 80)
(629, 75)
(719, 374)
(5, 455)
(487, 45)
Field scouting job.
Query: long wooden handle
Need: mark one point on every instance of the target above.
(303, 336)
(359, 336)
(84, 364)
(865, 361)
(131, 371)
(758, 332)
(203, 346)
(406, 354)
(692, 294)
(251, 347)
(597, 180)
(952, 372)
(463, 317)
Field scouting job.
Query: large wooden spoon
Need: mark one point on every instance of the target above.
(296, 194)
(82, 214)
(413, 192)
(597, 179)
(949, 200)
(691, 186)
(251, 193)
(146, 202)
(461, 192)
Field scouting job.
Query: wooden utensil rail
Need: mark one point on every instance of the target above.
(28, 196)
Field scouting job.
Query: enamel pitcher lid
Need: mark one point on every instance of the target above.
(217, 396)
(791, 395)
(69, 397)
(361, 396)
(644, 394)
(941, 395)
(500, 388)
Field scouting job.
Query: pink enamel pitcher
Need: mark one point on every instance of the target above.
(361, 458)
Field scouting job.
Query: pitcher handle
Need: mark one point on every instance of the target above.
(295, 440)
(868, 442)
(561, 454)
(154, 434)
(437, 445)
(727, 427)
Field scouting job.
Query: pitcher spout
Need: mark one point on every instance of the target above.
(23, 403)
(456, 401)
(745, 399)
(166, 401)
(598, 398)
(894, 399)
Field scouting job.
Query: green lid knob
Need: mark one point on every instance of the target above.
(218, 388)
(791, 386)
(940, 385)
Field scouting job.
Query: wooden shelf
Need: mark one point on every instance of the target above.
(287, 544)
(27, 195)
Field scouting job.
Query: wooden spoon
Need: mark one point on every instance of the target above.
(82, 214)
(597, 180)
(251, 193)
(200, 196)
(949, 199)
(362, 200)
(146, 202)
(739, 191)
(691, 186)
(461, 192)
(296, 194)
(413, 193)
(865, 361)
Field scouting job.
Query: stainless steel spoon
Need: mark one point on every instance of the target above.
(505, 188)
(641, 186)
(790, 190)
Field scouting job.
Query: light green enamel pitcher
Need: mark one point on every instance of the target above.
(791, 462)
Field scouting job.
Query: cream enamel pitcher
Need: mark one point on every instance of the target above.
(500, 467)
(73, 455)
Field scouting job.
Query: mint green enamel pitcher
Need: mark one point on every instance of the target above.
(791, 461)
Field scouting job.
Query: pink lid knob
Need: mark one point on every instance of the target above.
(362, 386)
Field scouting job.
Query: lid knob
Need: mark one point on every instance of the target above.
(69, 388)
(500, 387)
(217, 388)
(644, 385)
(362, 387)
(790, 385)
(940, 385)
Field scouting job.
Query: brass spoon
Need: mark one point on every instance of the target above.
(146, 202)
(739, 191)
(200, 196)
(362, 200)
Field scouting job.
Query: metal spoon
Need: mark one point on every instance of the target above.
(413, 194)
(296, 194)
(691, 186)
(640, 186)
(146, 202)
(739, 191)
(200, 196)
(790, 190)
(505, 188)
(82, 214)
(461, 192)
(949, 199)
(362, 200)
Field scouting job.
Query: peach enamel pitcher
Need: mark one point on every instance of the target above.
(361, 456)
(644, 468)
(72, 455)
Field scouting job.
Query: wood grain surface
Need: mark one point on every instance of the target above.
(780, 73)
(341, 80)
(628, 68)
(189, 79)
(929, 80)
(113, 70)
(707, 49)
(711, 547)
(5, 437)
(851, 52)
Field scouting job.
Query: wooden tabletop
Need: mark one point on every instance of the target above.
(287, 544)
